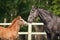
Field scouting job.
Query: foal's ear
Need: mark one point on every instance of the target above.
(19, 17)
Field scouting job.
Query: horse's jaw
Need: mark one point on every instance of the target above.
(26, 23)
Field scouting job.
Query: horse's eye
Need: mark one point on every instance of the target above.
(21, 20)
(32, 10)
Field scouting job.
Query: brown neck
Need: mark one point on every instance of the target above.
(14, 26)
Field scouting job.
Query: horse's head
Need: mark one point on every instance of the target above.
(33, 14)
(43, 14)
(21, 21)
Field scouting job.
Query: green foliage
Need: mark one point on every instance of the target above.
(55, 8)
(22, 8)
(24, 29)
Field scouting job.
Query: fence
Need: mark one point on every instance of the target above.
(29, 29)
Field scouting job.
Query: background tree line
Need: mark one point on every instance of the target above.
(13, 8)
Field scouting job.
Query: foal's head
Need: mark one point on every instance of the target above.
(21, 21)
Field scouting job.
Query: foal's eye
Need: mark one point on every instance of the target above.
(21, 20)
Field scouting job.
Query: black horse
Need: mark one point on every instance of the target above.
(52, 22)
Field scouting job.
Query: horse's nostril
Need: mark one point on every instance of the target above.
(29, 21)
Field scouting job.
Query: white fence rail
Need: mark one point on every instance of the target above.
(5, 23)
(29, 29)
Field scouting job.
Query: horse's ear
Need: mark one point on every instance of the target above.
(19, 17)
(34, 7)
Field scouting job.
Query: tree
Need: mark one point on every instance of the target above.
(55, 7)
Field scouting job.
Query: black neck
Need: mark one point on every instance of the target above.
(44, 16)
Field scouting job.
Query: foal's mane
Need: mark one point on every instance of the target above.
(12, 23)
